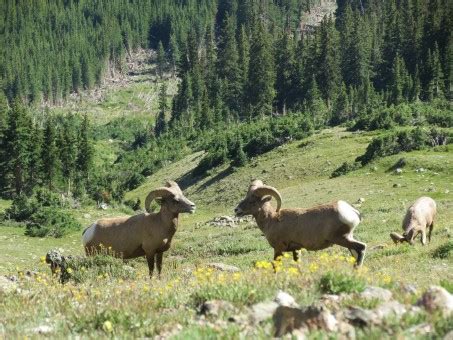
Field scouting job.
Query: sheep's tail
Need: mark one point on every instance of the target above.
(347, 214)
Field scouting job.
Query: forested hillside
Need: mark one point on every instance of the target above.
(252, 75)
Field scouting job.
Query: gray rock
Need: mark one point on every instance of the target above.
(287, 319)
(389, 309)
(223, 267)
(449, 336)
(263, 311)
(397, 185)
(378, 293)
(421, 329)
(216, 307)
(398, 171)
(7, 286)
(437, 299)
(43, 329)
(359, 317)
(87, 216)
(284, 299)
(360, 200)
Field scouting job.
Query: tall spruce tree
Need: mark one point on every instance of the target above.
(161, 123)
(261, 79)
(49, 153)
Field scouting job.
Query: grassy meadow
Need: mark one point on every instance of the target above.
(125, 303)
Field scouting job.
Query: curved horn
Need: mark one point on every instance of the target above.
(264, 190)
(159, 192)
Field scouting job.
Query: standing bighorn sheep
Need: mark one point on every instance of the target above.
(147, 234)
(419, 217)
(292, 229)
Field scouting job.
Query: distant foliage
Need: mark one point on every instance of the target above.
(243, 141)
(404, 141)
(24, 206)
(438, 113)
(345, 168)
(51, 222)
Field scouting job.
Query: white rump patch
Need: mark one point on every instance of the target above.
(88, 235)
(347, 214)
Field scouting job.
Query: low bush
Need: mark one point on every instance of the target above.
(24, 206)
(444, 251)
(404, 141)
(49, 221)
(345, 168)
(337, 282)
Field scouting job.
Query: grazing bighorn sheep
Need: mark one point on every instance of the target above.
(146, 234)
(292, 229)
(419, 217)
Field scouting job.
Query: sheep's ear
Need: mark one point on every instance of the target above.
(266, 199)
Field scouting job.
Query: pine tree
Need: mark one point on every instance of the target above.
(85, 152)
(49, 153)
(175, 55)
(284, 71)
(261, 79)
(161, 59)
(341, 108)
(244, 60)
(68, 151)
(329, 76)
(228, 65)
(16, 141)
(35, 157)
(161, 123)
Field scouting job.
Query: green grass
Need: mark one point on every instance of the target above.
(301, 171)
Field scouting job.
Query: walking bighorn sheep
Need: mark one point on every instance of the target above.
(292, 229)
(147, 234)
(419, 217)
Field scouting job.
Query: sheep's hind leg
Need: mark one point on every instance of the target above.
(159, 257)
(423, 239)
(430, 231)
(353, 245)
(295, 255)
(150, 259)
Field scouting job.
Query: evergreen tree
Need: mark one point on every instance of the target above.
(261, 79)
(16, 141)
(161, 123)
(161, 59)
(68, 151)
(228, 65)
(49, 153)
(285, 64)
(341, 108)
(175, 55)
(35, 157)
(85, 152)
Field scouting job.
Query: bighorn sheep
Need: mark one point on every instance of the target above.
(419, 217)
(292, 229)
(146, 234)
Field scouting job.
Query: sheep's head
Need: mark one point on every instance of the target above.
(257, 195)
(172, 197)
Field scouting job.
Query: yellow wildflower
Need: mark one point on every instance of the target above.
(107, 326)
(69, 270)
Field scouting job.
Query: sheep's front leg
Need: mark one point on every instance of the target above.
(159, 258)
(295, 255)
(150, 259)
(277, 254)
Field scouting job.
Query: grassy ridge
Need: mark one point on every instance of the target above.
(301, 171)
